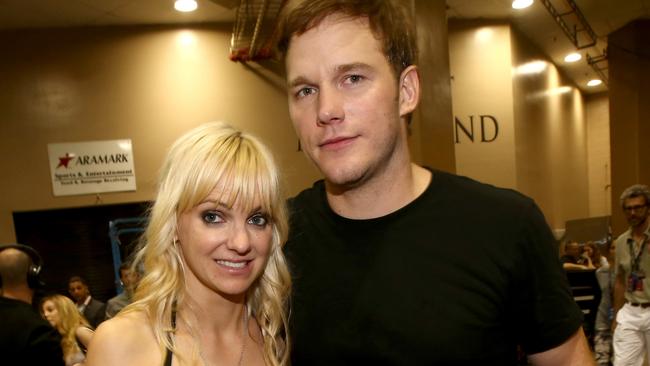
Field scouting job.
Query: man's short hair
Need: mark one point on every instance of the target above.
(78, 279)
(390, 22)
(637, 190)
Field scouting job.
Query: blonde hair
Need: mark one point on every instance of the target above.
(69, 320)
(214, 154)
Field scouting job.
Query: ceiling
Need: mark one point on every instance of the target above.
(73, 13)
(535, 22)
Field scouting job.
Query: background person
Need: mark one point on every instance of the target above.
(593, 255)
(603, 326)
(632, 290)
(574, 257)
(25, 338)
(129, 277)
(92, 309)
(394, 263)
(75, 331)
(215, 282)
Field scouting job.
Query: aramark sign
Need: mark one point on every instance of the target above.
(91, 167)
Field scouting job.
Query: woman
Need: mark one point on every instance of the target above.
(592, 255)
(75, 331)
(215, 282)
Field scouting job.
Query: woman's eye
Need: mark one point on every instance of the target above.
(258, 220)
(212, 217)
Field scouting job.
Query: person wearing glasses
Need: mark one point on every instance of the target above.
(631, 323)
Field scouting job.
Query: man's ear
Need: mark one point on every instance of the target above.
(409, 90)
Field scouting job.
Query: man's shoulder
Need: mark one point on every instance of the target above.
(457, 187)
(18, 308)
(95, 302)
(22, 313)
(117, 300)
(309, 197)
(623, 237)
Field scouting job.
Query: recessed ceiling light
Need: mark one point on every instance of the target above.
(594, 82)
(573, 57)
(185, 5)
(521, 4)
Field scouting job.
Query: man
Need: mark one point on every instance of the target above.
(129, 279)
(93, 310)
(25, 337)
(631, 289)
(392, 263)
(574, 257)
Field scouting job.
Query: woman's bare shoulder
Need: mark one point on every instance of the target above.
(126, 339)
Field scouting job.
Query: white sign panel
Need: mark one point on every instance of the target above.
(91, 167)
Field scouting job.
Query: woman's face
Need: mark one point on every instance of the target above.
(50, 313)
(225, 249)
(589, 251)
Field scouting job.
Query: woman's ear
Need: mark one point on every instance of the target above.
(409, 90)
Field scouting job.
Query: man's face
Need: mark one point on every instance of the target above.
(573, 249)
(78, 291)
(129, 278)
(636, 210)
(345, 102)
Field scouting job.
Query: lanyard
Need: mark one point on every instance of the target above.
(634, 262)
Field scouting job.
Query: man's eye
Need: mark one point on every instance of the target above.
(258, 220)
(353, 79)
(305, 92)
(212, 217)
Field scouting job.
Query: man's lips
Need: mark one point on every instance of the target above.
(337, 142)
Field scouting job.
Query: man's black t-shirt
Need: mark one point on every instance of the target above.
(461, 275)
(25, 338)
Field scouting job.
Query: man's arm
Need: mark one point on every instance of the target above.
(568, 265)
(619, 294)
(573, 352)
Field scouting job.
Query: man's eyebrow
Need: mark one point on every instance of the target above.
(300, 80)
(350, 67)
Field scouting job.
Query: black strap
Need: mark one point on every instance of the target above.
(169, 354)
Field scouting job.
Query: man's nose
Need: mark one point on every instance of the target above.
(330, 105)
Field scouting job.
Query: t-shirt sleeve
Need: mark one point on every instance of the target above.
(548, 314)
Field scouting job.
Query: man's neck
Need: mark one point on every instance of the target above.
(381, 195)
(21, 293)
(84, 302)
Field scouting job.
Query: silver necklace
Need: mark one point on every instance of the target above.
(243, 342)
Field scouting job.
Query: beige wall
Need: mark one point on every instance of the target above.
(149, 84)
(479, 56)
(551, 136)
(542, 150)
(629, 108)
(600, 188)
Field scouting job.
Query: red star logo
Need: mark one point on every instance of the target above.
(63, 161)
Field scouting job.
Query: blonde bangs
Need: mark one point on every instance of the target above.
(237, 165)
